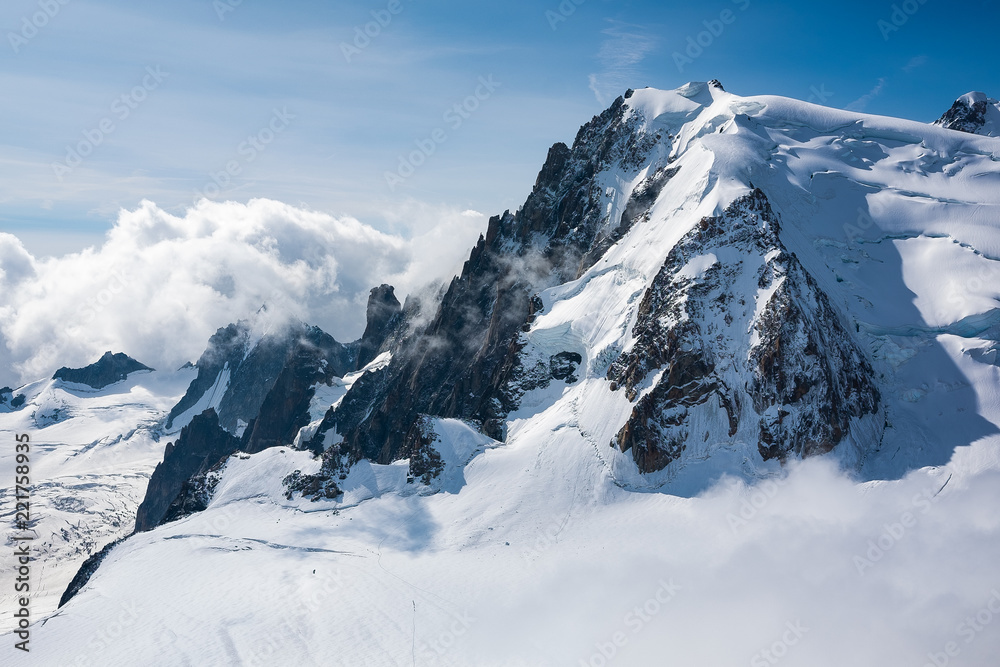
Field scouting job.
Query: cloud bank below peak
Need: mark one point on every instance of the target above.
(161, 284)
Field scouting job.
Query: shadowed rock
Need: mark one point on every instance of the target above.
(86, 571)
(974, 113)
(383, 310)
(107, 370)
(202, 444)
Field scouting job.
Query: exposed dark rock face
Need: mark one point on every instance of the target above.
(107, 370)
(425, 461)
(227, 349)
(254, 367)
(459, 362)
(86, 571)
(271, 386)
(808, 377)
(563, 365)
(316, 487)
(970, 114)
(314, 357)
(467, 359)
(9, 400)
(195, 494)
(202, 444)
(275, 408)
(382, 313)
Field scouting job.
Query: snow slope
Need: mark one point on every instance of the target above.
(92, 452)
(551, 548)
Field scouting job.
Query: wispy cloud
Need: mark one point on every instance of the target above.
(624, 47)
(862, 102)
(915, 62)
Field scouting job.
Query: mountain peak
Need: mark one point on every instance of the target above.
(383, 307)
(110, 368)
(974, 113)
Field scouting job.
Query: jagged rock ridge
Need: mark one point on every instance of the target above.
(383, 313)
(747, 341)
(458, 364)
(242, 367)
(266, 402)
(201, 445)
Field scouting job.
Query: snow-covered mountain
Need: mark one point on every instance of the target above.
(975, 113)
(95, 443)
(725, 343)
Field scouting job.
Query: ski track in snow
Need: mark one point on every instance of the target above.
(265, 543)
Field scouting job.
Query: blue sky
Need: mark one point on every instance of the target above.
(203, 79)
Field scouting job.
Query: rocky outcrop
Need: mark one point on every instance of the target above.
(288, 367)
(202, 444)
(974, 113)
(382, 314)
(86, 571)
(733, 323)
(107, 370)
(227, 348)
(458, 363)
(425, 461)
(195, 494)
(314, 358)
(315, 487)
(9, 400)
(253, 362)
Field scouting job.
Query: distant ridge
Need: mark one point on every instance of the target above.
(107, 370)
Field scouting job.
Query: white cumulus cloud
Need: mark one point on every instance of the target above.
(161, 284)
